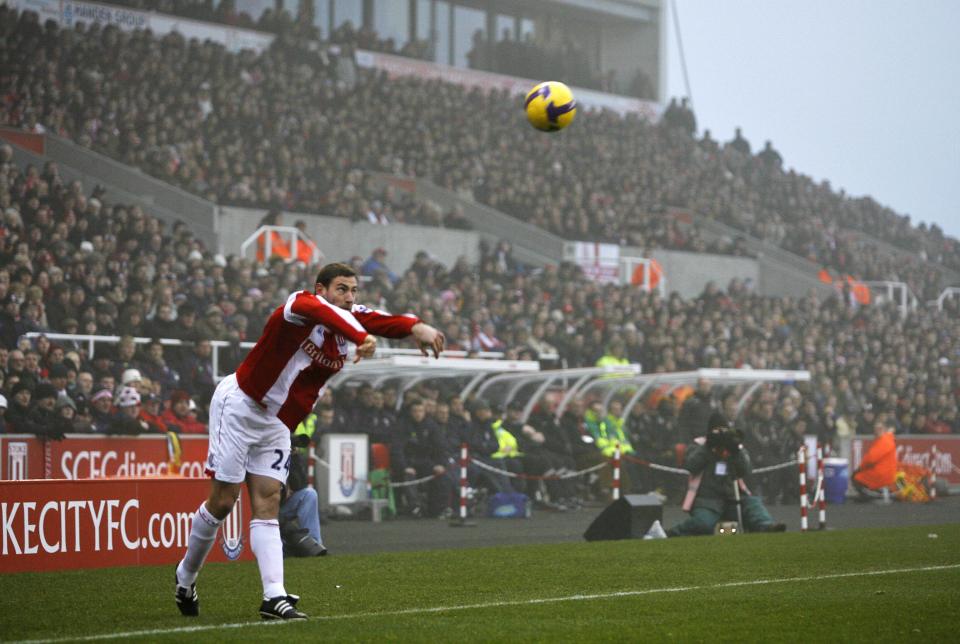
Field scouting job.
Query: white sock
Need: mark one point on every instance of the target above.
(268, 549)
(203, 533)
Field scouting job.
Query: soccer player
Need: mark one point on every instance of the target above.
(254, 411)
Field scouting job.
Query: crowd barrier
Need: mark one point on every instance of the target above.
(96, 523)
(86, 456)
(81, 456)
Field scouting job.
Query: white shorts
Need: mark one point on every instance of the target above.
(244, 437)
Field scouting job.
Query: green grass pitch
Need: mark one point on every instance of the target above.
(894, 585)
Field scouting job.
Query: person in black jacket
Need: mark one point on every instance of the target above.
(540, 460)
(33, 412)
(418, 449)
(696, 411)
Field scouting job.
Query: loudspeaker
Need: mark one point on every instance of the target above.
(626, 518)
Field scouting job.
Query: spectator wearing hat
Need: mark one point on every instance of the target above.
(101, 410)
(131, 378)
(150, 413)
(66, 411)
(178, 416)
(126, 420)
(58, 376)
(19, 409)
(41, 418)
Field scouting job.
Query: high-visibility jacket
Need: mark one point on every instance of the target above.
(607, 435)
(861, 292)
(507, 442)
(308, 426)
(305, 249)
(611, 361)
(615, 434)
(878, 469)
(277, 246)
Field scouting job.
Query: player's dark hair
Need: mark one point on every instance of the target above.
(336, 269)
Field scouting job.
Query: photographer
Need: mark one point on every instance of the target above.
(717, 463)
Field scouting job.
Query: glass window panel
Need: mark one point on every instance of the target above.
(321, 17)
(254, 8)
(391, 19)
(344, 10)
(443, 33)
(526, 27)
(466, 23)
(423, 19)
(505, 24)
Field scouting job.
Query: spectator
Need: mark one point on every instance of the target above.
(178, 416)
(418, 450)
(376, 263)
(101, 410)
(150, 413)
(127, 419)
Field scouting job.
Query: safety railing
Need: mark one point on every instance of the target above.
(263, 242)
(91, 341)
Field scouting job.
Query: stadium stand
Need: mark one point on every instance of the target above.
(609, 179)
(280, 130)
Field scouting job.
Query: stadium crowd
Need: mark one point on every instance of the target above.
(72, 261)
(286, 129)
(78, 264)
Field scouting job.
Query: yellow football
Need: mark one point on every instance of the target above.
(550, 106)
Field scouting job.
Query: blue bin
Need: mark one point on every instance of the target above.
(836, 478)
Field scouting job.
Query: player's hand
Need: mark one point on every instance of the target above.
(428, 338)
(366, 349)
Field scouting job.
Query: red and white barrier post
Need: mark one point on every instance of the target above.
(616, 472)
(821, 492)
(802, 461)
(933, 474)
(463, 481)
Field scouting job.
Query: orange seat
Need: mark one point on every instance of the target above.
(380, 455)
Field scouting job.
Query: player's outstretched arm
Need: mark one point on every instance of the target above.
(428, 339)
(304, 308)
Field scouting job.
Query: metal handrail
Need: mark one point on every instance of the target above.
(91, 341)
(295, 234)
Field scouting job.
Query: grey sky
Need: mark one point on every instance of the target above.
(864, 93)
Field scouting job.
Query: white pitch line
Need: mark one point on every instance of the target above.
(499, 604)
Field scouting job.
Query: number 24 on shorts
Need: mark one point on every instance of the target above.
(276, 463)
